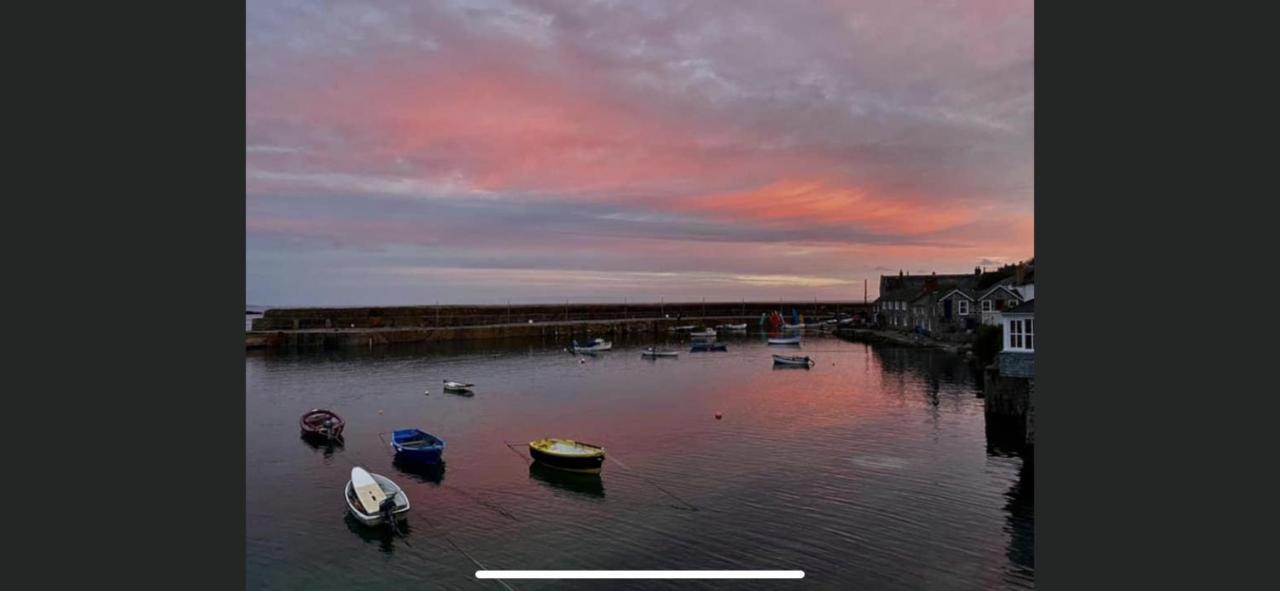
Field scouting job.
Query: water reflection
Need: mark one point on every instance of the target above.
(879, 455)
(577, 483)
(428, 473)
(322, 444)
(1021, 521)
(380, 534)
(1006, 436)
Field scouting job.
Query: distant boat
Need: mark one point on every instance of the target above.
(785, 341)
(321, 424)
(374, 498)
(415, 445)
(651, 352)
(682, 328)
(703, 334)
(452, 386)
(704, 347)
(732, 327)
(786, 326)
(567, 454)
(595, 346)
(793, 360)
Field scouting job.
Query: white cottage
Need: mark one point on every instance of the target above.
(1017, 359)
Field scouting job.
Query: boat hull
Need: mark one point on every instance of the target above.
(400, 513)
(407, 453)
(582, 464)
(792, 362)
(657, 354)
(313, 426)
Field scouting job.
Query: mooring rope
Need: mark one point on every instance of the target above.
(460, 550)
(687, 505)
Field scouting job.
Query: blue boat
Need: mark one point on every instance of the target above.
(704, 347)
(416, 445)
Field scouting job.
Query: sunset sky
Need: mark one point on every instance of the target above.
(479, 151)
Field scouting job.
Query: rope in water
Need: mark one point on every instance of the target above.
(464, 552)
(627, 470)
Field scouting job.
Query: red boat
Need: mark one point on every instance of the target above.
(322, 424)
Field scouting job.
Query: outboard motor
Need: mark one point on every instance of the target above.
(387, 509)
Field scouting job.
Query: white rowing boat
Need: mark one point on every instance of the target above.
(651, 352)
(453, 386)
(793, 360)
(785, 341)
(371, 498)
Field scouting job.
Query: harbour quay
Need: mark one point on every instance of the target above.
(370, 326)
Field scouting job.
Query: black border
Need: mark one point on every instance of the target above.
(128, 251)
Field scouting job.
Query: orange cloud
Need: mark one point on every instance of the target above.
(824, 203)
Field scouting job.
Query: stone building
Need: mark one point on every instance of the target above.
(1017, 358)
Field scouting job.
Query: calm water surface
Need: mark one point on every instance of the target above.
(875, 469)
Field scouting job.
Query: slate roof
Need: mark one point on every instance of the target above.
(1027, 307)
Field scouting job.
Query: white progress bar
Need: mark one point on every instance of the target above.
(639, 574)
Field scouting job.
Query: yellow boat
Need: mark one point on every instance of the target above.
(567, 454)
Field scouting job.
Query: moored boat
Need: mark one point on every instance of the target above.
(651, 352)
(567, 454)
(416, 445)
(732, 327)
(682, 328)
(373, 498)
(785, 341)
(320, 423)
(596, 345)
(705, 347)
(705, 333)
(452, 386)
(793, 360)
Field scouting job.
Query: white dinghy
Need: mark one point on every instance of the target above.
(373, 498)
(655, 353)
(453, 386)
(793, 360)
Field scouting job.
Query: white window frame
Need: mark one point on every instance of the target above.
(988, 306)
(1013, 303)
(962, 307)
(1021, 335)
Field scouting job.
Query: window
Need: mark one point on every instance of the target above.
(963, 307)
(986, 305)
(1013, 303)
(1021, 335)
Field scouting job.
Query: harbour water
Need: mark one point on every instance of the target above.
(874, 469)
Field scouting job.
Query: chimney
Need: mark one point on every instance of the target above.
(977, 271)
(1020, 274)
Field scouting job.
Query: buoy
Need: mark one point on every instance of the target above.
(582, 361)
(717, 416)
(379, 412)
